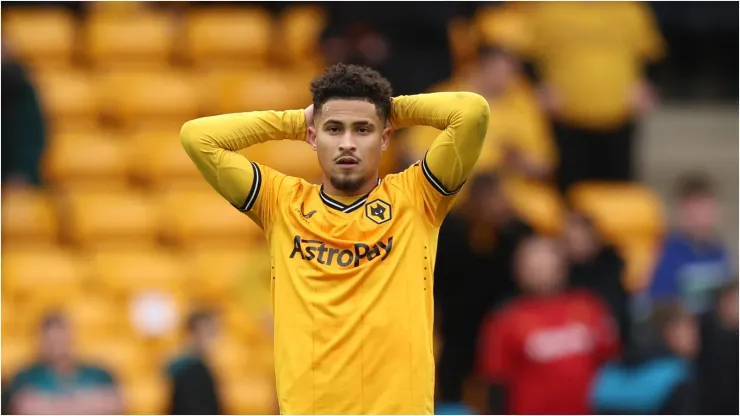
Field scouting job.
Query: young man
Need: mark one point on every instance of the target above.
(352, 258)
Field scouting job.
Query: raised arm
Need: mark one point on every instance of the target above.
(213, 144)
(463, 119)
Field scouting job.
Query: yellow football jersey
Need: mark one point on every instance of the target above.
(352, 292)
(352, 278)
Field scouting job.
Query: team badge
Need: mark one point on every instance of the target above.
(378, 211)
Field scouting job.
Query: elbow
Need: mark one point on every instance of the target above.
(476, 112)
(192, 133)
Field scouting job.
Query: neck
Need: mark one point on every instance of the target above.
(366, 187)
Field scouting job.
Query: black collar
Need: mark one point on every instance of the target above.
(333, 203)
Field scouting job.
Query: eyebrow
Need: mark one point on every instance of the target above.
(356, 123)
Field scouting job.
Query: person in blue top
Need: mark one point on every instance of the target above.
(59, 384)
(694, 262)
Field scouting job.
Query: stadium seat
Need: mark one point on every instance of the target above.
(250, 396)
(86, 160)
(158, 159)
(28, 219)
(143, 39)
(640, 257)
(105, 218)
(69, 99)
(40, 37)
(622, 212)
(291, 157)
(538, 203)
(223, 37)
(300, 28)
(203, 218)
(59, 272)
(149, 99)
(146, 396)
(94, 316)
(17, 352)
(219, 271)
(228, 91)
(131, 271)
(126, 357)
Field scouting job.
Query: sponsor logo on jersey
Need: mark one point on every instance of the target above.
(317, 250)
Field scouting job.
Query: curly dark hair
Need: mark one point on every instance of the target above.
(353, 82)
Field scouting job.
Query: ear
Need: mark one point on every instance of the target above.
(311, 137)
(385, 138)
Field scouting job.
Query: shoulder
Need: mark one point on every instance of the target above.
(96, 373)
(180, 364)
(30, 373)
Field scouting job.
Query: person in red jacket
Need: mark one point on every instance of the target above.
(540, 352)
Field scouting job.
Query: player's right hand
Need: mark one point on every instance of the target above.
(309, 118)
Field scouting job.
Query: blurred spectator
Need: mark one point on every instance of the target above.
(406, 41)
(23, 129)
(659, 380)
(194, 389)
(540, 353)
(597, 267)
(694, 261)
(718, 360)
(518, 143)
(592, 60)
(472, 273)
(58, 384)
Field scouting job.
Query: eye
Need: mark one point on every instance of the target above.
(333, 129)
(363, 130)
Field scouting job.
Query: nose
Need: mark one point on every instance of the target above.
(347, 142)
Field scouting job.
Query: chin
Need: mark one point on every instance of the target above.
(347, 181)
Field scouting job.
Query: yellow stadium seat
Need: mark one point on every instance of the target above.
(236, 37)
(146, 396)
(291, 157)
(86, 160)
(126, 357)
(136, 40)
(640, 258)
(17, 352)
(228, 91)
(40, 37)
(202, 218)
(98, 218)
(537, 203)
(69, 99)
(250, 396)
(621, 212)
(42, 274)
(231, 357)
(219, 271)
(130, 271)
(157, 158)
(96, 316)
(146, 100)
(300, 28)
(28, 218)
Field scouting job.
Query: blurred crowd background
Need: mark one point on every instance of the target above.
(605, 197)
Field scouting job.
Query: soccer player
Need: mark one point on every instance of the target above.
(352, 259)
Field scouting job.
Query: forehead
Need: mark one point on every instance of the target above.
(349, 111)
